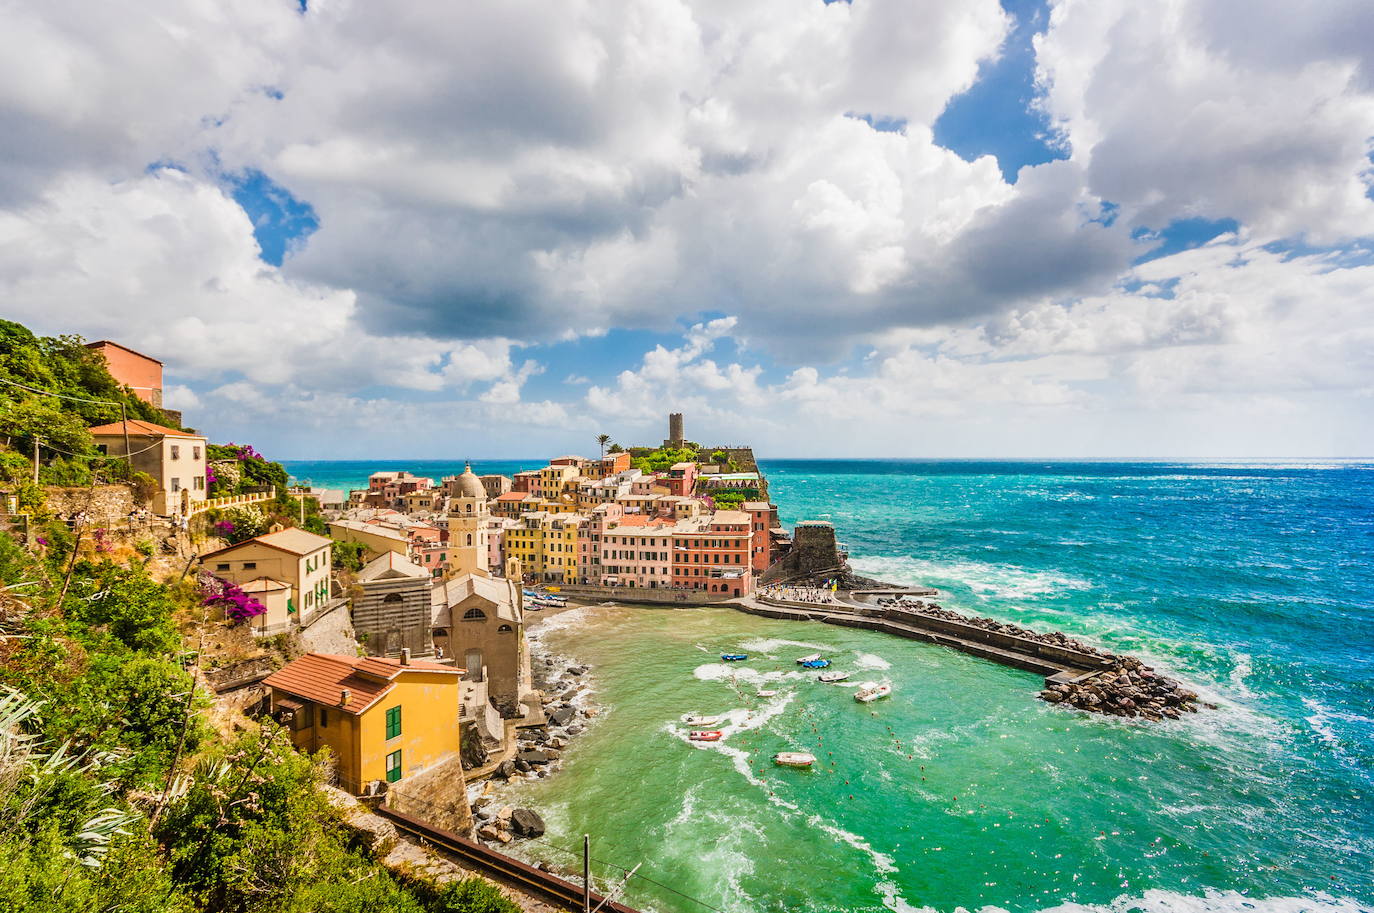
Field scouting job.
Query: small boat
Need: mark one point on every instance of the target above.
(794, 758)
(705, 735)
(698, 719)
(734, 657)
(529, 592)
(816, 664)
(808, 659)
(872, 691)
(829, 677)
(533, 607)
(767, 692)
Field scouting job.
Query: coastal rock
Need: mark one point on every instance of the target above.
(527, 823)
(505, 770)
(561, 716)
(534, 756)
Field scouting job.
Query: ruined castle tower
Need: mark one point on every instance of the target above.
(675, 436)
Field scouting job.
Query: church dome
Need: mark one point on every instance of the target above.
(469, 486)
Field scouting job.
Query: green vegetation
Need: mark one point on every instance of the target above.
(660, 459)
(115, 796)
(347, 556)
(728, 498)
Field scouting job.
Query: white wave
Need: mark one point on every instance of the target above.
(1212, 901)
(724, 672)
(1239, 673)
(871, 661)
(772, 646)
(1002, 581)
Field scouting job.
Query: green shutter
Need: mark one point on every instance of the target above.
(393, 722)
(393, 766)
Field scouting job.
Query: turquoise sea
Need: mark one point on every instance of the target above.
(1254, 582)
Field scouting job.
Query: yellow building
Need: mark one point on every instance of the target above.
(383, 719)
(525, 541)
(376, 540)
(468, 550)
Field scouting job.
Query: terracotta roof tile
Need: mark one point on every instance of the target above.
(323, 677)
(140, 428)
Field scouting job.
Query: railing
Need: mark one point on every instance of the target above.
(252, 497)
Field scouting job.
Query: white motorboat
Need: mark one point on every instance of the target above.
(808, 659)
(871, 691)
(794, 758)
(767, 692)
(829, 677)
(700, 719)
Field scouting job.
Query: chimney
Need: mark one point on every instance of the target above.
(405, 656)
(344, 697)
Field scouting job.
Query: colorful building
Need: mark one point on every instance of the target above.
(176, 459)
(140, 373)
(712, 553)
(293, 557)
(382, 719)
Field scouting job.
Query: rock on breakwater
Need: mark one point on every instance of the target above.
(1125, 687)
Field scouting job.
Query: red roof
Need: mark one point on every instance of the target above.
(140, 428)
(107, 342)
(514, 496)
(323, 677)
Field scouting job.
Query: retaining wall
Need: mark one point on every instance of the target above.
(642, 594)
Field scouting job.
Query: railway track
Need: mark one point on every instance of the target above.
(560, 891)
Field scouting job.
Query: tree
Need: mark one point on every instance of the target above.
(615, 448)
(602, 440)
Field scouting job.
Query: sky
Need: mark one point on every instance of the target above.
(878, 228)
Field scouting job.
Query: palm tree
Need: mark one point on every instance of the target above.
(602, 440)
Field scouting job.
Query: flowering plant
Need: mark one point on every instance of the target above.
(230, 597)
(224, 527)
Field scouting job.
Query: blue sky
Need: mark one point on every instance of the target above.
(915, 228)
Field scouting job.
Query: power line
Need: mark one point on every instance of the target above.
(41, 392)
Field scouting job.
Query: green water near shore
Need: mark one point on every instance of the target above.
(961, 790)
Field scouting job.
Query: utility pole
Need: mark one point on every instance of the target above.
(586, 873)
(124, 423)
(35, 460)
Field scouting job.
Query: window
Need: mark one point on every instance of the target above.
(176, 485)
(222, 567)
(324, 716)
(393, 722)
(504, 629)
(176, 452)
(393, 767)
(195, 453)
(474, 614)
(250, 565)
(103, 449)
(199, 483)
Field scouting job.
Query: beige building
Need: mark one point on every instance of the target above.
(479, 622)
(468, 552)
(176, 459)
(293, 557)
(377, 540)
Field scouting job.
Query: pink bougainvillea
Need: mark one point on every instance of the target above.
(236, 604)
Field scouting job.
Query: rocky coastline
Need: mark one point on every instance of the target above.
(1127, 687)
(539, 749)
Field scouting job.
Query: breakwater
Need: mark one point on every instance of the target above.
(1078, 675)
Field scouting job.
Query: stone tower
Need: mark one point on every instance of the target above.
(675, 435)
(467, 526)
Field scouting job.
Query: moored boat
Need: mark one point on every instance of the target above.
(706, 735)
(767, 692)
(816, 664)
(829, 677)
(734, 657)
(808, 659)
(700, 719)
(871, 691)
(794, 758)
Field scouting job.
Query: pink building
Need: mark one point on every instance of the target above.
(637, 551)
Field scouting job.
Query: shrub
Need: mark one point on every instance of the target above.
(475, 895)
(347, 556)
(229, 598)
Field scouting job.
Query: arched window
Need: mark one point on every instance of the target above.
(392, 598)
(504, 629)
(469, 538)
(474, 614)
(440, 632)
(469, 508)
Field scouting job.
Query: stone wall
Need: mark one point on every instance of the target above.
(106, 505)
(394, 614)
(438, 796)
(813, 558)
(641, 594)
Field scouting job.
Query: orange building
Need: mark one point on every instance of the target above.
(713, 553)
(132, 369)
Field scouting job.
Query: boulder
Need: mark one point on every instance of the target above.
(562, 716)
(534, 756)
(527, 823)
